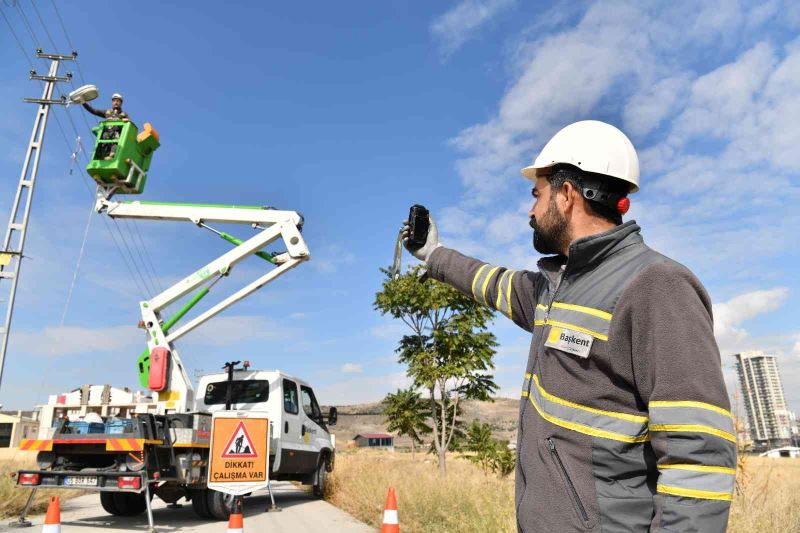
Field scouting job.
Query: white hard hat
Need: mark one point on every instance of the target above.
(116, 95)
(592, 146)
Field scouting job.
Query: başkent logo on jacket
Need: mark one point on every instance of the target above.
(570, 341)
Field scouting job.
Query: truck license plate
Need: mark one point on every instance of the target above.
(82, 481)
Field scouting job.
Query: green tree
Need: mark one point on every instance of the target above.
(490, 453)
(449, 350)
(480, 442)
(504, 460)
(407, 414)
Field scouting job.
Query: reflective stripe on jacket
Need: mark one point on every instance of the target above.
(624, 422)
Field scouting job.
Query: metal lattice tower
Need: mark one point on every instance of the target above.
(14, 243)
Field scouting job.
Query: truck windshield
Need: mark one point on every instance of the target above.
(242, 391)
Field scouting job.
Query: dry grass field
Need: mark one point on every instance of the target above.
(466, 501)
(767, 501)
(12, 499)
(767, 498)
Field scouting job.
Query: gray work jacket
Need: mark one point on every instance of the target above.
(624, 422)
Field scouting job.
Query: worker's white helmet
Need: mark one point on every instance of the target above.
(116, 95)
(592, 146)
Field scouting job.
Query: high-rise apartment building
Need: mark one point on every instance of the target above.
(769, 420)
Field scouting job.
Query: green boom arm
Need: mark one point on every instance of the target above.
(143, 363)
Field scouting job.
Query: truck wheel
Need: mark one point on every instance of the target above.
(219, 504)
(200, 503)
(107, 501)
(129, 503)
(321, 478)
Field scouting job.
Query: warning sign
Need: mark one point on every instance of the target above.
(239, 452)
(240, 445)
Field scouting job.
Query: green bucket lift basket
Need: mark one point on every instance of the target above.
(122, 155)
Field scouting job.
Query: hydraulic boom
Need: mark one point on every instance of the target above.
(178, 394)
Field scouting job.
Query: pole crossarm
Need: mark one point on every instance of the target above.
(46, 101)
(56, 57)
(44, 77)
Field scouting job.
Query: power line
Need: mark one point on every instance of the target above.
(28, 25)
(147, 264)
(46, 31)
(14, 34)
(55, 47)
(150, 265)
(75, 130)
(147, 291)
(30, 64)
(146, 278)
(63, 26)
(108, 228)
(69, 41)
(77, 267)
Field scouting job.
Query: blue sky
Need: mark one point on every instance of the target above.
(349, 113)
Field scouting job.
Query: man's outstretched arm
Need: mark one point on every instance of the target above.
(93, 111)
(513, 293)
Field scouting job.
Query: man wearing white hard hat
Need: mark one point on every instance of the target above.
(624, 419)
(115, 113)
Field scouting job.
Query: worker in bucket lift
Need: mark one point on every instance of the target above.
(110, 132)
(115, 113)
(624, 421)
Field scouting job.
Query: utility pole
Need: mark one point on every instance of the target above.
(14, 243)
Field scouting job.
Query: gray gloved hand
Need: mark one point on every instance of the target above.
(423, 252)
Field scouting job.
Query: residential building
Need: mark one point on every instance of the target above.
(17, 425)
(768, 418)
(374, 440)
(791, 452)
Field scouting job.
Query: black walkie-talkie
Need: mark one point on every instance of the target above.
(418, 223)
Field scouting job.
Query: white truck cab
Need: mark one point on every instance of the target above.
(301, 445)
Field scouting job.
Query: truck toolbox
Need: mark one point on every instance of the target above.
(84, 428)
(119, 425)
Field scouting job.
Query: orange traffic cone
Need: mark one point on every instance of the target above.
(390, 522)
(52, 520)
(235, 522)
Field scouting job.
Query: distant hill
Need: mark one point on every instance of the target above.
(502, 414)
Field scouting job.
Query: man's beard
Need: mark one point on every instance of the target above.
(551, 233)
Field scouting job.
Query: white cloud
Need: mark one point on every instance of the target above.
(507, 227)
(328, 259)
(362, 389)
(720, 99)
(714, 176)
(459, 221)
(796, 347)
(226, 330)
(730, 315)
(393, 330)
(71, 340)
(459, 24)
(648, 108)
(351, 368)
(563, 77)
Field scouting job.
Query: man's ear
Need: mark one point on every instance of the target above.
(569, 196)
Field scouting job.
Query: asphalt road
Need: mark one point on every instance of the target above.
(300, 512)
